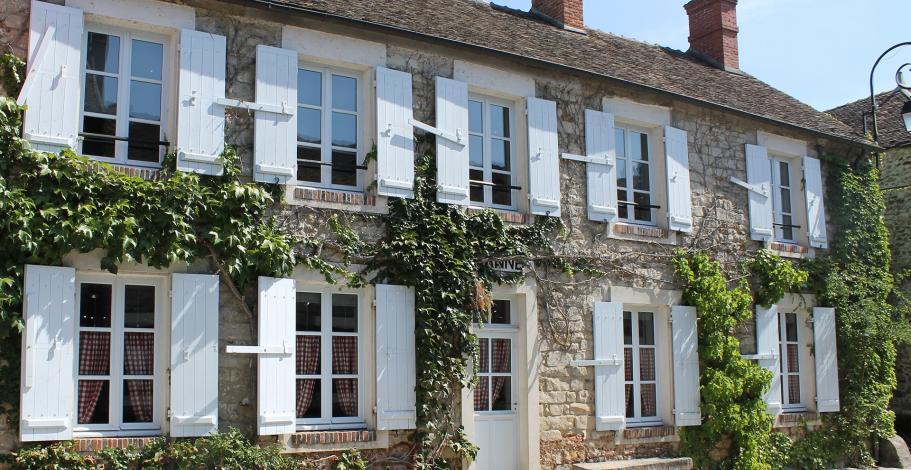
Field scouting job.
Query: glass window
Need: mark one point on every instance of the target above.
(493, 392)
(123, 102)
(640, 367)
(490, 151)
(790, 361)
(782, 201)
(634, 177)
(328, 136)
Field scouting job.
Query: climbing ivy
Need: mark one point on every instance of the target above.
(773, 277)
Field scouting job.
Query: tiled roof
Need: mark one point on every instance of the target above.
(477, 23)
(892, 132)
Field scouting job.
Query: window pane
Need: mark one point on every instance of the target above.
(649, 398)
(100, 94)
(501, 393)
(627, 328)
(793, 390)
(309, 126)
(642, 212)
(344, 130)
(481, 394)
(146, 59)
(309, 87)
(628, 364)
(475, 116)
(94, 402)
(145, 100)
(344, 93)
(641, 176)
(94, 353)
(143, 144)
(622, 209)
(784, 176)
(344, 397)
(621, 175)
(344, 313)
(308, 355)
(499, 154)
(787, 233)
(501, 355)
(308, 398)
(786, 200)
(647, 364)
(620, 137)
(95, 305)
(499, 312)
(791, 326)
(138, 353)
(643, 143)
(308, 311)
(103, 53)
(793, 363)
(635, 146)
(137, 401)
(95, 146)
(630, 407)
(484, 355)
(501, 194)
(308, 167)
(499, 121)
(344, 168)
(646, 328)
(476, 150)
(477, 190)
(344, 355)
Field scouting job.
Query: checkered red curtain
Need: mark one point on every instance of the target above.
(139, 359)
(307, 363)
(344, 361)
(94, 359)
(499, 363)
(481, 398)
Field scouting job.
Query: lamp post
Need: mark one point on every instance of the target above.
(906, 109)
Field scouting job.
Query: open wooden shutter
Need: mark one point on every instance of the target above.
(200, 114)
(194, 354)
(395, 134)
(601, 168)
(275, 146)
(826, 352)
(52, 88)
(767, 352)
(452, 157)
(686, 366)
(543, 157)
(48, 343)
(759, 178)
(276, 400)
(610, 400)
(816, 211)
(679, 205)
(395, 358)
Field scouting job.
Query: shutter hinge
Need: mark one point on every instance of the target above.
(170, 294)
(170, 413)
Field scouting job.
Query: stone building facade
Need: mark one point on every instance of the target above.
(557, 416)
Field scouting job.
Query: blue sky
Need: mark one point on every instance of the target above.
(819, 51)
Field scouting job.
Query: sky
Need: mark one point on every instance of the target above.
(819, 51)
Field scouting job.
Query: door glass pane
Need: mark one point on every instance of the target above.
(649, 398)
(344, 168)
(499, 154)
(501, 393)
(499, 121)
(94, 402)
(344, 93)
(139, 306)
(344, 397)
(646, 328)
(308, 355)
(309, 87)
(484, 355)
(344, 355)
(146, 59)
(309, 126)
(145, 100)
(501, 355)
(475, 116)
(499, 312)
(647, 364)
(94, 353)
(481, 394)
(103, 53)
(137, 401)
(97, 146)
(100, 94)
(308, 167)
(138, 353)
(143, 144)
(308, 398)
(95, 305)
(308, 311)
(344, 130)
(344, 313)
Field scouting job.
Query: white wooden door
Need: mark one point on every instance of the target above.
(496, 400)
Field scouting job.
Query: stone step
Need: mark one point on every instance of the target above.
(682, 463)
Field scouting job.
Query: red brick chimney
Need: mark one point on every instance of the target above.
(567, 12)
(713, 30)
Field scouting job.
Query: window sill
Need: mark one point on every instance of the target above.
(334, 199)
(509, 217)
(327, 441)
(99, 443)
(789, 419)
(789, 250)
(144, 172)
(634, 232)
(647, 433)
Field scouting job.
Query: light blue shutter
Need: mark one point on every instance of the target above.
(826, 356)
(194, 354)
(275, 146)
(452, 157)
(759, 177)
(395, 358)
(48, 365)
(679, 205)
(601, 170)
(767, 350)
(816, 211)
(276, 400)
(686, 366)
(200, 118)
(543, 157)
(52, 88)
(610, 399)
(395, 134)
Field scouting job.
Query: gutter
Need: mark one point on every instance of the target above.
(270, 4)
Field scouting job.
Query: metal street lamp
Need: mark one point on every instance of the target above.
(906, 109)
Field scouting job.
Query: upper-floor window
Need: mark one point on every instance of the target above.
(124, 98)
(782, 200)
(634, 176)
(640, 352)
(329, 119)
(491, 150)
(790, 361)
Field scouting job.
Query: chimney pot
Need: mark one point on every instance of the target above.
(566, 12)
(713, 30)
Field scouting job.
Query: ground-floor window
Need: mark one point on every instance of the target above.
(790, 361)
(494, 391)
(640, 369)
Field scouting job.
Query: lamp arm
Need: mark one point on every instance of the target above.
(873, 104)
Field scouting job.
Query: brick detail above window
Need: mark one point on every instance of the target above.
(302, 439)
(145, 173)
(788, 247)
(649, 432)
(640, 230)
(794, 419)
(96, 444)
(507, 216)
(335, 197)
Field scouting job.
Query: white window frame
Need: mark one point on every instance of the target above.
(487, 137)
(638, 419)
(327, 422)
(490, 331)
(777, 213)
(630, 210)
(326, 111)
(116, 426)
(786, 374)
(124, 77)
